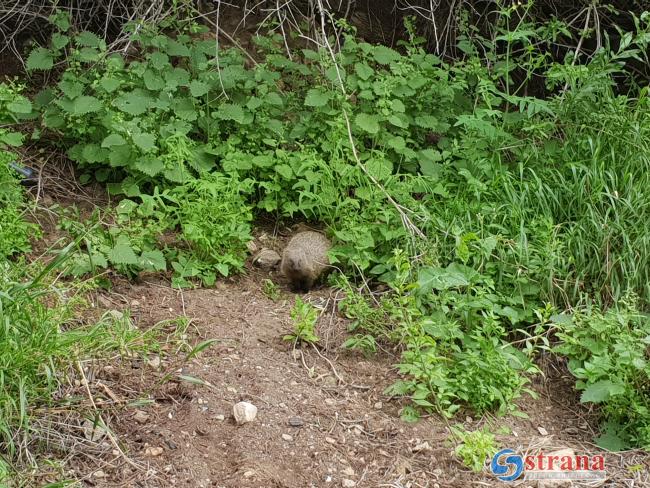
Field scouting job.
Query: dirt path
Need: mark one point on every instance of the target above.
(350, 433)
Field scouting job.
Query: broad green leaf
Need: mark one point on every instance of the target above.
(40, 59)
(59, 41)
(152, 80)
(134, 103)
(88, 39)
(363, 71)
(175, 48)
(145, 141)
(274, 98)
(285, 170)
(426, 121)
(113, 140)
(20, 106)
(367, 122)
(153, 261)
(379, 168)
(184, 108)
(122, 252)
(85, 104)
(230, 111)
(109, 84)
(317, 97)
(198, 88)
(14, 139)
(600, 391)
(149, 165)
(385, 55)
(159, 60)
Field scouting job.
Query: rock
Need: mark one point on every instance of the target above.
(252, 247)
(93, 432)
(422, 446)
(348, 483)
(220, 417)
(378, 406)
(244, 412)
(153, 451)
(267, 259)
(330, 440)
(249, 474)
(287, 437)
(99, 474)
(154, 362)
(141, 417)
(295, 422)
(348, 471)
(542, 431)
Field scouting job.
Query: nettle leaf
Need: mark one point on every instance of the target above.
(84, 104)
(184, 108)
(109, 84)
(397, 142)
(379, 168)
(59, 41)
(176, 77)
(92, 153)
(454, 276)
(14, 139)
(71, 89)
(145, 141)
(89, 54)
(363, 71)
(153, 261)
(89, 39)
(175, 48)
(426, 121)
(198, 88)
(122, 252)
(600, 391)
(113, 140)
(136, 102)
(20, 106)
(385, 55)
(152, 80)
(285, 170)
(230, 111)
(149, 165)
(40, 59)
(159, 60)
(273, 98)
(317, 97)
(399, 120)
(367, 122)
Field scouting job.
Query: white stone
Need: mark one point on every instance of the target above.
(244, 412)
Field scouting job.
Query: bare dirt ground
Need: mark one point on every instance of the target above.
(345, 431)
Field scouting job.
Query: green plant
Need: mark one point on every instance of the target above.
(474, 447)
(608, 355)
(271, 290)
(304, 317)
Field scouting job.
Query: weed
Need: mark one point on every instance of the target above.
(474, 447)
(271, 290)
(304, 317)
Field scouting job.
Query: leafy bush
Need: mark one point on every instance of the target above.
(608, 354)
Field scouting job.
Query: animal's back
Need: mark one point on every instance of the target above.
(305, 259)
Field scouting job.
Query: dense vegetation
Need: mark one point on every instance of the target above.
(501, 224)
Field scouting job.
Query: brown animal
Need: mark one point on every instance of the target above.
(305, 259)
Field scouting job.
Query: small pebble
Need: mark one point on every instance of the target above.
(287, 437)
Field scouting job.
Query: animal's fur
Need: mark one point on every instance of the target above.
(305, 259)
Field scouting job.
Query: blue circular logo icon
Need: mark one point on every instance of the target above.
(507, 465)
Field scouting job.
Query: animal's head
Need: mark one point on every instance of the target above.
(298, 262)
